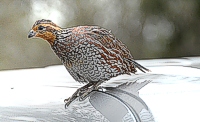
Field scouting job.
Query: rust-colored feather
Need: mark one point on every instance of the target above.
(91, 54)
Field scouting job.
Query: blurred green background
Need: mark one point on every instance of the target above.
(150, 28)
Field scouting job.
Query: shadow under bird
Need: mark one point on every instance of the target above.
(91, 54)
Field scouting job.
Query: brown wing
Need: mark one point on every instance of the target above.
(107, 39)
(113, 48)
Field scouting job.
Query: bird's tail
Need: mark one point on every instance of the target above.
(140, 67)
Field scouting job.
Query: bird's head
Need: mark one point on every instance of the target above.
(44, 29)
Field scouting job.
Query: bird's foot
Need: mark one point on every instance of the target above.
(78, 93)
(86, 93)
(68, 101)
(89, 90)
(82, 93)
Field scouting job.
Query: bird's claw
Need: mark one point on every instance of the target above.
(79, 93)
(82, 94)
(68, 101)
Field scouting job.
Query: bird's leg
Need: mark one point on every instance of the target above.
(97, 87)
(94, 86)
(78, 93)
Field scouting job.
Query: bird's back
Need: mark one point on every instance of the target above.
(92, 53)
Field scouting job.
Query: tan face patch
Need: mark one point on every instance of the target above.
(46, 35)
(47, 32)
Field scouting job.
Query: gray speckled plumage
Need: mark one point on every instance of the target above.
(91, 54)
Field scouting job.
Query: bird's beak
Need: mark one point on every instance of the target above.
(31, 34)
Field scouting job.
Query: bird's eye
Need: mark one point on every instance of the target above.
(41, 28)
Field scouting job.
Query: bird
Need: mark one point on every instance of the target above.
(91, 54)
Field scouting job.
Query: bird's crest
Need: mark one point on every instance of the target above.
(44, 21)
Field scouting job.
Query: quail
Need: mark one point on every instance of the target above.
(91, 54)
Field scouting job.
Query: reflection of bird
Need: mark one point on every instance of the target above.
(91, 54)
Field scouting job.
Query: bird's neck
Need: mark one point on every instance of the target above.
(50, 37)
(63, 35)
(51, 34)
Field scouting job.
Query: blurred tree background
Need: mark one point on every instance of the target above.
(150, 28)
